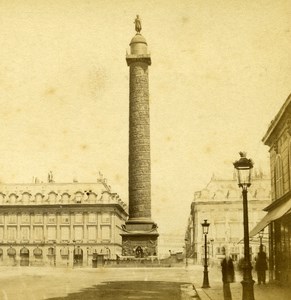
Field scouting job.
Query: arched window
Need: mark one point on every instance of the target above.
(64, 251)
(11, 251)
(51, 251)
(37, 252)
(278, 177)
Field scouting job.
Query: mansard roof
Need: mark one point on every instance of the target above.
(285, 109)
(227, 189)
(99, 189)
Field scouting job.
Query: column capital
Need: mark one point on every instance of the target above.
(133, 58)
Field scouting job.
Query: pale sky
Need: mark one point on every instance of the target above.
(220, 72)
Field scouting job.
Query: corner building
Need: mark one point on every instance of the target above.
(59, 224)
(278, 218)
(220, 202)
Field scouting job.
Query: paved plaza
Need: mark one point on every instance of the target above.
(33, 283)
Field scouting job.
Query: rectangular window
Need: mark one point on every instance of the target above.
(38, 219)
(25, 219)
(51, 218)
(105, 232)
(65, 233)
(12, 219)
(78, 233)
(11, 233)
(51, 233)
(92, 217)
(220, 230)
(78, 218)
(38, 233)
(65, 219)
(92, 233)
(25, 233)
(105, 218)
(1, 219)
(1, 233)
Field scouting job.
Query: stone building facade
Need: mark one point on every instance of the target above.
(220, 202)
(60, 224)
(278, 138)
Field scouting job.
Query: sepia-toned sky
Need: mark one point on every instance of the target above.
(220, 72)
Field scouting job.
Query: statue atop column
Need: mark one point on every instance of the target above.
(137, 23)
(50, 177)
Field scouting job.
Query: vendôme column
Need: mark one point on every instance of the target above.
(139, 236)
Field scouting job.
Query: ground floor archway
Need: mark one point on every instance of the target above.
(78, 257)
(24, 256)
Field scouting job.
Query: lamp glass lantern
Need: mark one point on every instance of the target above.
(261, 234)
(205, 227)
(244, 168)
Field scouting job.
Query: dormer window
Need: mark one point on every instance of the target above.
(65, 198)
(52, 196)
(78, 197)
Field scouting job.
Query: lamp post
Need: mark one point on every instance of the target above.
(68, 256)
(244, 169)
(186, 259)
(108, 255)
(205, 227)
(55, 253)
(261, 235)
(74, 243)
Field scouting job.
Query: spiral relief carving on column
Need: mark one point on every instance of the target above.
(139, 232)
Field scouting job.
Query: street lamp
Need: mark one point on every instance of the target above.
(186, 259)
(108, 255)
(205, 227)
(244, 169)
(55, 253)
(261, 235)
(74, 243)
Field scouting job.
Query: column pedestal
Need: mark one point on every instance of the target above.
(139, 239)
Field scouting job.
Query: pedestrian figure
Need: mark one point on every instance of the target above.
(261, 266)
(227, 270)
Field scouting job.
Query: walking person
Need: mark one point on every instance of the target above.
(261, 266)
(227, 270)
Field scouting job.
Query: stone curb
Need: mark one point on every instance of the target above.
(188, 292)
(201, 294)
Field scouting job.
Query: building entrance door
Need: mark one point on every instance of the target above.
(24, 257)
(78, 257)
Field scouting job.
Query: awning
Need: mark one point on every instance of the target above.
(272, 215)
